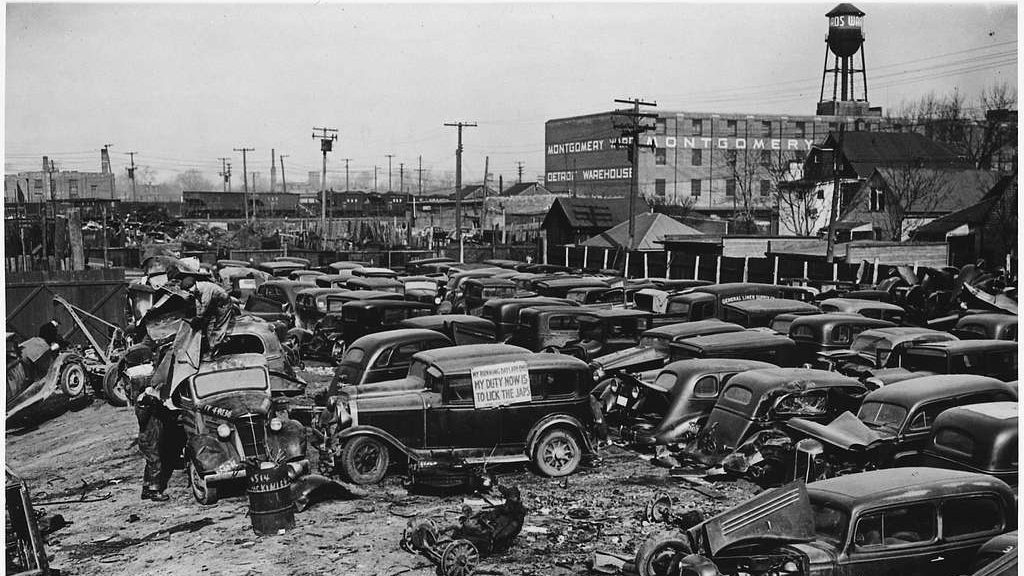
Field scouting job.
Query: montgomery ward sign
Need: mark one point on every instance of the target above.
(501, 384)
(686, 142)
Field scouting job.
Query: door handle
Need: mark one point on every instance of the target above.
(937, 559)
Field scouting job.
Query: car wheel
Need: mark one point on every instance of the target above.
(558, 453)
(364, 460)
(72, 379)
(660, 554)
(202, 491)
(337, 349)
(115, 388)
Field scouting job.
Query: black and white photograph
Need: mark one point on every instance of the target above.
(578, 288)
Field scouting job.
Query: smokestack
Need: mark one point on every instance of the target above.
(273, 171)
(46, 164)
(104, 160)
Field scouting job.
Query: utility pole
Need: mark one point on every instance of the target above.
(458, 182)
(228, 176)
(830, 251)
(253, 195)
(519, 167)
(401, 177)
(284, 183)
(245, 179)
(273, 171)
(390, 156)
(224, 173)
(131, 175)
(375, 178)
(346, 173)
(327, 138)
(631, 131)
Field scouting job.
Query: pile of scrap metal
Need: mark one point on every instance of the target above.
(26, 554)
(937, 297)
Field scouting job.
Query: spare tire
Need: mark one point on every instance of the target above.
(116, 386)
(661, 553)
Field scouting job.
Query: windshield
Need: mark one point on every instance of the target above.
(882, 415)
(499, 292)
(925, 361)
(866, 344)
(591, 329)
(830, 523)
(230, 381)
(678, 308)
(657, 342)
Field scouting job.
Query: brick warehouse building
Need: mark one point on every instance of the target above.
(716, 161)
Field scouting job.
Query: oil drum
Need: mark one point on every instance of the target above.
(271, 507)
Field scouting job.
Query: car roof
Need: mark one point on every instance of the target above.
(384, 304)
(232, 361)
(284, 282)
(491, 281)
(968, 345)
(562, 281)
(838, 317)
(922, 389)
(771, 304)
(989, 317)
(859, 304)
(576, 310)
(992, 410)
(466, 356)
(704, 365)
(398, 335)
(697, 326)
(900, 331)
(619, 313)
(764, 380)
(440, 319)
(746, 337)
(320, 290)
(374, 281)
(893, 485)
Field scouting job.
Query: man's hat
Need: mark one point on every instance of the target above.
(185, 268)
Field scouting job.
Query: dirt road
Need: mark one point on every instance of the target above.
(90, 454)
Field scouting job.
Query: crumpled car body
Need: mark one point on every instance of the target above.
(38, 383)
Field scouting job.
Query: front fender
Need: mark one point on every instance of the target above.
(208, 452)
(378, 433)
(555, 420)
(290, 440)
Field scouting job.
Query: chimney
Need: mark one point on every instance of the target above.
(46, 164)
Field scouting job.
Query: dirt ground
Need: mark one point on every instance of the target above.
(87, 464)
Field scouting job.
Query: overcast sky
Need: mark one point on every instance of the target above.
(184, 84)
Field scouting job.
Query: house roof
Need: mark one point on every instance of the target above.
(865, 151)
(649, 231)
(525, 188)
(597, 214)
(972, 215)
(962, 188)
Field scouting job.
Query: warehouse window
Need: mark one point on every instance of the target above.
(660, 125)
(801, 129)
(659, 187)
(697, 127)
(73, 188)
(37, 183)
(730, 127)
(766, 128)
(766, 187)
(659, 156)
(766, 157)
(695, 188)
(697, 158)
(730, 187)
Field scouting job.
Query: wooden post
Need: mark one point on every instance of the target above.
(543, 245)
(775, 271)
(746, 268)
(718, 269)
(605, 264)
(625, 269)
(835, 271)
(668, 264)
(696, 268)
(915, 267)
(75, 239)
(647, 273)
(874, 273)
(586, 253)
(805, 269)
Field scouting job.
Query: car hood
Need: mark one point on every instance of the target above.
(386, 402)
(236, 404)
(846, 432)
(779, 515)
(628, 357)
(384, 387)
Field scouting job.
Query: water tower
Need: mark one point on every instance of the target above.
(845, 39)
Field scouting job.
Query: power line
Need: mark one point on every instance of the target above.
(458, 183)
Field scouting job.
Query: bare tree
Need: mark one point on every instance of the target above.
(907, 189)
(193, 179)
(1003, 223)
(978, 131)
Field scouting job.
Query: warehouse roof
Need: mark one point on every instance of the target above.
(649, 232)
(598, 214)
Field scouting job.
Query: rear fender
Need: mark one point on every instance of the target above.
(378, 433)
(558, 421)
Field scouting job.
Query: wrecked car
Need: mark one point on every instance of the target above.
(517, 408)
(823, 333)
(751, 344)
(460, 328)
(549, 328)
(978, 438)
(899, 522)
(893, 423)
(673, 406)
(231, 421)
(504, 312)
(868, 308)
(706, 301)
(608, 331)
(350, 315)
(42, 380)
(995, 358)
(878, 348)
(990, 326)
(760, 313)
(652, 350)
(384, 356)
(477, 291)
(559, 287)
(25, 545)
(745, 431)
(311, 305)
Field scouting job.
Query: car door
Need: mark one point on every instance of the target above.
(552, 392)
(456, 423)
(897, 540)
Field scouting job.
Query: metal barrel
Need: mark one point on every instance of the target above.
(271, 507)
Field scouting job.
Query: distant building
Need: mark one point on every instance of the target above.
(526, 189)
(574, 220)
(63, 185)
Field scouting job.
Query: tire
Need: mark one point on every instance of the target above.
(337, 350)
(115, 388)
(202, 491)
(364, 460)
(659, 552)
(557, 453)
(72, 379)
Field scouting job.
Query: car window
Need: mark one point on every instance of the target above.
(829, 523)
(563, 323)
(404, 353)
(553, 384)
(738, 394)
(903, 526)
(829, 308)
(1001, 362)
(706, 387)
(882, 414)
(383, 358)
(459, 390)
(241, 344)
(955, 440)
(923, 419)
(971, 516)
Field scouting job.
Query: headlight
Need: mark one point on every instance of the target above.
(635, 392)
(614, 386)
(223, 430)
(599, 374)
(790, 567)
(321, 305)
(276, 424)
(437, 301)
